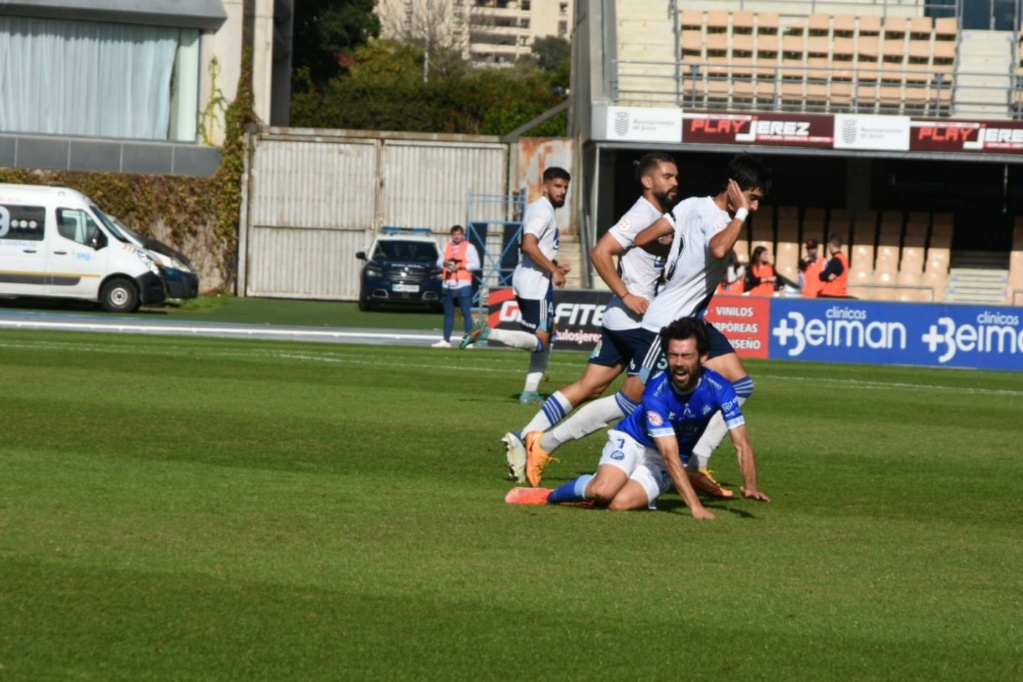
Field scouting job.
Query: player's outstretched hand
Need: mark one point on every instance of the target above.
(703, 513)
(636, 304)
(752, 494)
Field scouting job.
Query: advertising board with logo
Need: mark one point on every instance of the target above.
(872, 132)
(745, 320)
(967, 136)
(791, 130)
(578, 315)
(641, 124)
(933, 335)
(839, 330)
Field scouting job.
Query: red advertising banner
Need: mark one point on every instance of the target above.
(745, 320)
(791, 130)
(996, 137)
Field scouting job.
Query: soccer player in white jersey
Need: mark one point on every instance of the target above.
(705, 230)
(647, 451)
(633, 283)
(534, 279)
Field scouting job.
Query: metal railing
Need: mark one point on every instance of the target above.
(717, 85)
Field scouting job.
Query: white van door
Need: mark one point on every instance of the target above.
(22, 250)
(74, 266)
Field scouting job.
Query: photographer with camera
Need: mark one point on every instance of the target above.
(459, 260)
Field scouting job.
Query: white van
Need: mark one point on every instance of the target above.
(55, 242)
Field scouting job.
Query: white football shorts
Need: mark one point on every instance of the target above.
(641, 464)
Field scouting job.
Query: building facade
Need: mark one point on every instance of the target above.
(486, 32)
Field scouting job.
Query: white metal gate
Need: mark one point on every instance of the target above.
(312, 200)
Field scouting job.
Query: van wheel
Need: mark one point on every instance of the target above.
(119, 296)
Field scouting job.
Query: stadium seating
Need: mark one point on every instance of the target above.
(893, 256)
(886, 256)
(861, 255)
(818, 62)
(912, 258)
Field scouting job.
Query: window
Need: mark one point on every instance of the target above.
(98, 80)
(76, 225)
(563, 8)
(562, 28)
(24, 223)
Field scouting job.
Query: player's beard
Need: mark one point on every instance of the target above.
(667, 199)
(557, 202)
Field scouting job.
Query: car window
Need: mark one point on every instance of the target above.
(76, 225)
(23, 223)
(412, 252)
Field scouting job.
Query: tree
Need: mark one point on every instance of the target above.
(551, 52)
(325, 31)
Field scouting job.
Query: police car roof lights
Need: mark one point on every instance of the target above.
(391, 229)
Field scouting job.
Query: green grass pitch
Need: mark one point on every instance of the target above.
(211, 510)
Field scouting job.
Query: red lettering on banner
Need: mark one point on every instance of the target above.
(745, 320)
(948, 134)
(717, 126)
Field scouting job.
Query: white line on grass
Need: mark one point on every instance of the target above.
(514, 365)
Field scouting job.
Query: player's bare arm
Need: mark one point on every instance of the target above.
(602, 256)
(668, 447)
(649, 236)
(531, 247)
(747, 464)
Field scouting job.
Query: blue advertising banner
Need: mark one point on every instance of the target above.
(934, 335)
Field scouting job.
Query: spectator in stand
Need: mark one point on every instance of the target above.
(761, 273)
(734, 281)
(810, 267)
(835, 275)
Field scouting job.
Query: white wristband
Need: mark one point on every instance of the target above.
(741, 214)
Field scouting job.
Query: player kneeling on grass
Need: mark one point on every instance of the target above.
(650, 448)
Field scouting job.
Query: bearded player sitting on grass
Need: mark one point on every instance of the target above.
(649, 449)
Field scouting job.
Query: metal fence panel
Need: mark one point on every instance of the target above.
(426, 184)
(305, 263)
(314, 201)
(314, 184)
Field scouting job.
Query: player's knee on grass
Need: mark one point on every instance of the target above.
(608, 482)
(632, 497)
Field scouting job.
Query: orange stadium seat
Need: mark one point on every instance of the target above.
(768, 23)
(911, 265)
(921, 28)
(869, 25)
(786, 257)
(945, 29)
(844, 26)
(691, 19)
(742, 22)
(861, 255)
(818, 25)
(886, 258)
(939, 251)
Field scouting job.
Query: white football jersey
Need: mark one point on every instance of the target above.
(529, 280)
(640, 270)
(692, 272)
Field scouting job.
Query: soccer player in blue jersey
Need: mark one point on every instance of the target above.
(648, 450)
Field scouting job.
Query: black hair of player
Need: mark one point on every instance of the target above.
(687, 328)
(750, 172)
(556, 173)
(649, 162)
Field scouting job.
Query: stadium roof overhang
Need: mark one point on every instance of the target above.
(201, 14)
(841, 135)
